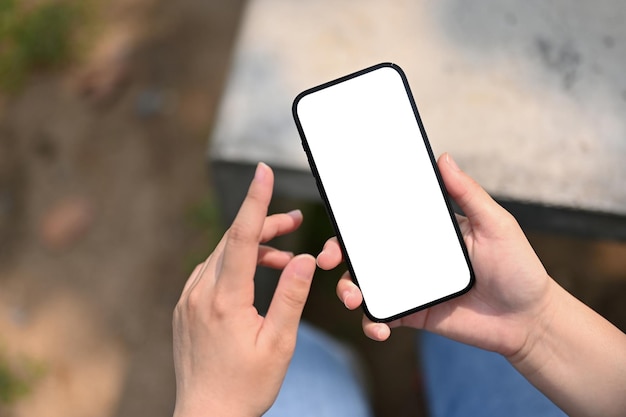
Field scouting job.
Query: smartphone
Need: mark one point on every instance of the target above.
(376, 173)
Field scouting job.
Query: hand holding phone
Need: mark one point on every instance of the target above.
(377, 175)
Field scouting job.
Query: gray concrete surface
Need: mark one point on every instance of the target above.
(529, 96)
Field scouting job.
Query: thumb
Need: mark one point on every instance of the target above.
(283, 315)
(476, 204)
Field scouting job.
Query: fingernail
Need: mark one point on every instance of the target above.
(381, 332)
(261, 171)
(452, 163)
(346, 295)
(295, 214)
(317, 258)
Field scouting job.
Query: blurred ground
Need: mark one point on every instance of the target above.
(102, 167)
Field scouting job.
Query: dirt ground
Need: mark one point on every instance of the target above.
(101, 168)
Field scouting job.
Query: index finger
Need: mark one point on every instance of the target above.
(239, 261)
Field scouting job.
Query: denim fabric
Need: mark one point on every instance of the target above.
(461, 380)
(322, 380)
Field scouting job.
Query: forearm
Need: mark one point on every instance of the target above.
(576, 358)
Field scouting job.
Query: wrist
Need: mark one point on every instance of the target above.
(531, 356)
(575, 358)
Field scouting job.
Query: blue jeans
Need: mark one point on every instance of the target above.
(460, 380)
(322, 380)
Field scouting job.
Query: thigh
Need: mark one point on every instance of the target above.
(461, 380)
(322, 380)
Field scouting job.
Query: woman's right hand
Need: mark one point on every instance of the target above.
(512, 295)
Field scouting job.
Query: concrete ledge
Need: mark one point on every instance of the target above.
(528, 96)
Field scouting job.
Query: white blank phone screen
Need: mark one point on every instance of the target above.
(387, 204)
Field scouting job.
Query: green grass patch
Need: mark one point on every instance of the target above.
(39, 37)
(203, 217)
(17, 378)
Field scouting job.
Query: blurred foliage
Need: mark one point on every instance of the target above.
(204, 218)
(17, 378)
(33, 38)
(204, 214)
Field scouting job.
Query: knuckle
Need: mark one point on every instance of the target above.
(280, 344)
(194, 300)
(220, 307)
(284, 346)
(239, 233)
(294, 298)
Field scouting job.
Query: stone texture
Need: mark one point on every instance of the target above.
(528, 96)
